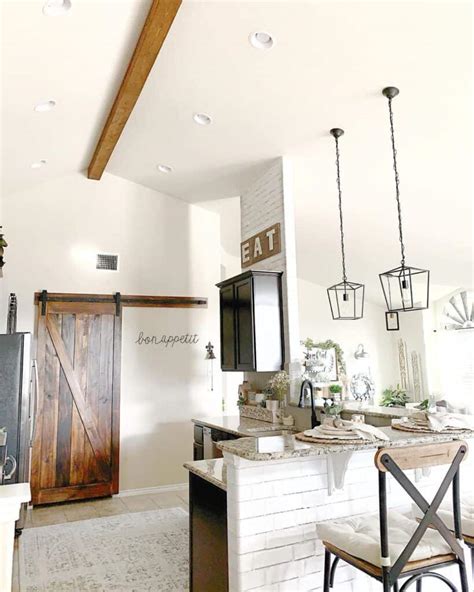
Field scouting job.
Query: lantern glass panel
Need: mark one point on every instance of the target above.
(406, 288)
(346, 300)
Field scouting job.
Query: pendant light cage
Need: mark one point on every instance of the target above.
(346, 298)
(405, 288)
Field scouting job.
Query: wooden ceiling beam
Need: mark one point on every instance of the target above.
(154, 32)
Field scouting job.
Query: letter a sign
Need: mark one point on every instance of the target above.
(261, 246)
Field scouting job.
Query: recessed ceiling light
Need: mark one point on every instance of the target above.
(43, 106)
(39, 164)
(261, 40)
(202, 119)
(56, 7)
(164, 168)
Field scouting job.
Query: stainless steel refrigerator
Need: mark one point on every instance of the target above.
(17, 406)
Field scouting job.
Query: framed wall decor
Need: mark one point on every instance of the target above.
(322, 364)
(391, 321)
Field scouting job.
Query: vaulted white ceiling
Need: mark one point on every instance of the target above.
(78, 60)
(327, 67)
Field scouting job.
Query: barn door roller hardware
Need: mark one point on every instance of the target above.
(121, 300)
(118, 299)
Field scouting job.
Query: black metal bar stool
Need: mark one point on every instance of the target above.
(389, 546)
(467, 514)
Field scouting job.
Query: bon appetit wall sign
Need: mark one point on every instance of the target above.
(263, 245)
(167, 340)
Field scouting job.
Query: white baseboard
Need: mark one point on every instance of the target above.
(157, 489)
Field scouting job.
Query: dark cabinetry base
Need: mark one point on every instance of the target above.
(207, 536)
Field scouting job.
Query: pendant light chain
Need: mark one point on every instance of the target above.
(341, 225)
(346, 299)
(397, 182)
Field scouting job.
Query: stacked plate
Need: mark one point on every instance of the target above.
(423, 426)
(328, 433)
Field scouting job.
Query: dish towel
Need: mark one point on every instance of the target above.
(337, 463)
(368, 432)
(439, 421)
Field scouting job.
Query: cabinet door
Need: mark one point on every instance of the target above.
(198, 451)
(245, 339)
(227, 328)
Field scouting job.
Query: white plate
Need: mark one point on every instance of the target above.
(318, 433)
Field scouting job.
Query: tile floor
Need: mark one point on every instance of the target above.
(70, 512)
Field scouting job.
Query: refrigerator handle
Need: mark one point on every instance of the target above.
(35, 404)
(12, 471)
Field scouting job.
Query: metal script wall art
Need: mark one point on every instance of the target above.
(167, 340)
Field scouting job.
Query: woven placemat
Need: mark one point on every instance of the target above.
(403, 427)
(318, 440)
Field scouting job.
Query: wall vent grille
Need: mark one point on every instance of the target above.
(107, 262)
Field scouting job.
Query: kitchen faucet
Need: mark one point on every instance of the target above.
(307, 384)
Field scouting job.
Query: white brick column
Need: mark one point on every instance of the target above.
(267, 201)
(272, 511)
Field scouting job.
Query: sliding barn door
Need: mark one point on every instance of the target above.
(76, 443)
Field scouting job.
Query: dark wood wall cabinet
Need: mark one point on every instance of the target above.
(252, 322)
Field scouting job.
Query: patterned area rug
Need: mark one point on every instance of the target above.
(142, 552)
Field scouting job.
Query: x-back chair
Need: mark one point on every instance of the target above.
(390, 570)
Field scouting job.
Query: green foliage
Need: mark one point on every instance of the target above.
(328, 344)
(394, 397)
(269, 394)
(335, 389)
(332, 408)
(424, 405)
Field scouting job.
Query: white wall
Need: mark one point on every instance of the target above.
(228, 210)
(413, 333)
(166, 247)
(316, 322)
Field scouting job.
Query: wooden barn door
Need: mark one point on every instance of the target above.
(76, 442)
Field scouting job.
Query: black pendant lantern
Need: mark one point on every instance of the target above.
(404, 288)
(346, 299)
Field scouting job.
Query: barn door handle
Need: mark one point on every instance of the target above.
(43, 299)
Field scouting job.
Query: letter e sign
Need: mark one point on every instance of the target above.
(261, 246)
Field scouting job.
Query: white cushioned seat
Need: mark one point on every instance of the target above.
(360, 536)
(445, 512)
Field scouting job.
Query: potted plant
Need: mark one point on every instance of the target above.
(335, 390)
(278, 387)
(394, 397)
(272, 403)
(331, 409)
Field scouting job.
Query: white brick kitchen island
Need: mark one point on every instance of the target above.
(275, 500)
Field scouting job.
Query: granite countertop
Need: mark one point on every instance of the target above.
(242, 426)
(212, 470)
(372, 410)
(281, 447)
